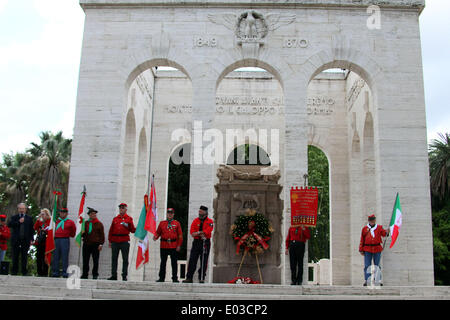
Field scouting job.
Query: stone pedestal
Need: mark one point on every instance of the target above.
(241, 187)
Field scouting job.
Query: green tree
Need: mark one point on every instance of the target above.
(49, 168)
(31, 176)
(13, 183)
(318, 175)
(439, 157)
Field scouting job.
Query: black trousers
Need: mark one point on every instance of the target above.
(200, 249)
(173, 261)
(42, 267)
(88, 251)
(20, 247)
(296, 253)
(123, 247)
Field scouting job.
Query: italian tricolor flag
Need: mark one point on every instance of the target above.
(142, 235)
(50, 241)
(396, 221)
(146, 225)
(80, 224)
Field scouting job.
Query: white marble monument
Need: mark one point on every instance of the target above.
(369, 119)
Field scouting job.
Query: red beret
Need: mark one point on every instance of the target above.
(371, 217)
(2, 216)
(123, 205)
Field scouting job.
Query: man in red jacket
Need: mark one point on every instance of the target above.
(5, 234)
(119, 240)
(370, 244)
(64, 229)
(295, 246)
(171, 241)
(201, 229)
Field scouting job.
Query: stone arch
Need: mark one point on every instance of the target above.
(142, 66)
(345, 58)
(129, 156)
(342, 207)
(256, 63)
(255, 150)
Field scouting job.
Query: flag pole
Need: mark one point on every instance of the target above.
(150, 153)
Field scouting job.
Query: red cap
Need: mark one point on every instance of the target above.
(372, 217)
(123, 205)
(170, 210)
(2, 216)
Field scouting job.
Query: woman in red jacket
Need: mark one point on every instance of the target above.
(41, 228)
(370, 244)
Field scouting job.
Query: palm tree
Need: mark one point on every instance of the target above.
(13, 184)
(49, 168)
(439, 155)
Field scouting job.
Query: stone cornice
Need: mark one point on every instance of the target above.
(399, 4)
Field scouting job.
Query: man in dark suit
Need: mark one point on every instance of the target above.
(22, 233)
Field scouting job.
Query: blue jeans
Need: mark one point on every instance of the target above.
(62, 247)
(2, 255)
(368, 257)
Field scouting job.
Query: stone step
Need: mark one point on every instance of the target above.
(16, 287)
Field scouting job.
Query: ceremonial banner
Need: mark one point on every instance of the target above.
(304, 203)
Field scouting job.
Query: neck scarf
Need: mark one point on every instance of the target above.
(372, 229)
(91, 223)
(61, 224)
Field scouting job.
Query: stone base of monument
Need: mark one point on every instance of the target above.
(224, 274)
(34, 288)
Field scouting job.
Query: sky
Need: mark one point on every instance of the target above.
(40, 49)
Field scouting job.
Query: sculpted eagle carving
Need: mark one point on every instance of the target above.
(251, 24)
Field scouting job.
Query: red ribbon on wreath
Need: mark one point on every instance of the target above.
(258, 238)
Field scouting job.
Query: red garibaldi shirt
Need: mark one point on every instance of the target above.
(371, 241)
(69, 229)
(298, 235)
(207, 228)
(170, 233)
(118, 232)
(5, 234)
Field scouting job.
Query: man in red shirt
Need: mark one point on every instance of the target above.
(295, 247)
(64, 229)
(370, 244)
(5, 234)
(119, 240)
(171, 241)
(201, 229)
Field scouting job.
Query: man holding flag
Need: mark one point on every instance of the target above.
(370, 245)
(171, 241)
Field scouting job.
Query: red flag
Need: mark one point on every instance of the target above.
(152, 211)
